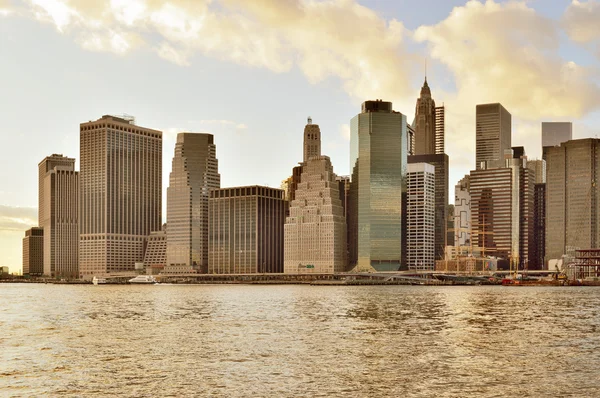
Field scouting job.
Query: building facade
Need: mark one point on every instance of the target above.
(420, 208)
(49, 163)
(60, 206)
(462, 213)
(315, 231)
(555, 133)
(572, 197)
(539, 228)
(538, 167)
(245, 230)
(155, 258)
(378, 159)
(502, 211)
(194, 173)
(441, 164)
(33, 252)
(492, 135)
(120, 193)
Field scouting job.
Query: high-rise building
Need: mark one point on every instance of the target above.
(245, 233)
(538, 251)
(60, 208)
(315, 231)
(572, 197)
(378, 152)
(502, 210)
(450, 226)
(33, 252)
(492, 135)
(440, 129)
(120, 193)
(462, 212)
(312, 140)
(194, 173)
(424, 123)
(441, 164)
(555, 133)
(49, 163)
(420, 209)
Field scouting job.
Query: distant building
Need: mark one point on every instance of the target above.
(60, 212)
(450, 226)
(429, 125)
(555, 133)
(378, 152)
(120, 193)
(33, 252)
(539, 228)
(3, 270)
(462, 212)
(194, 173)
(245, 230)
(315, 231)
(155, 258)
(572, 197)
(420, 207)
(49, 163)
(492, 135)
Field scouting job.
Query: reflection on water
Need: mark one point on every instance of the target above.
(62, 340)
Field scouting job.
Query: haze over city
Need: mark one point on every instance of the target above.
(252, 72)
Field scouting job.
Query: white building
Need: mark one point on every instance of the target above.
(420, 220)
(315, 231)
(462, 213)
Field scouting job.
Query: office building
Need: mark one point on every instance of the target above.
(33, 252)
(315, 231)
(462, 213)
(555, 133)
(49, 163)
(538, 167)
(492, 135)
(450, 226)
(441, 164)
(538, 251)
(420, 208)
(120, 185)
(502, 211)
(245, 232)
(194, 173)
(60, 209)
(572, 197)
(440, 129)
(378, 158)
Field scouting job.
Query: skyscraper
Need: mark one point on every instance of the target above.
(378, 152)
(120, 193)
(195, 172)
(312, 140)
(572, 197)
(425, 123)
(420, 208)
(492, 135)
(315, 231)
(462, 212)
(33, 252)
(246, 230)
(61, 214)
(502, 210)
(49, 163)
(555, 133)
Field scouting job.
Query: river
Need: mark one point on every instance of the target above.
(299, 340)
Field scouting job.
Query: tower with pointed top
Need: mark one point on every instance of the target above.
(424, 123)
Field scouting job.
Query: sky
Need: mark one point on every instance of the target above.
(252, 72)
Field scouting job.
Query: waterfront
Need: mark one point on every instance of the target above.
(298, 340)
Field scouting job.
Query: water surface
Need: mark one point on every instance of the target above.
(297, 340)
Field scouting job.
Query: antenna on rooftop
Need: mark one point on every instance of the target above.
(309, 120)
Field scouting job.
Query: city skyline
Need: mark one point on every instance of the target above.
(74, 68)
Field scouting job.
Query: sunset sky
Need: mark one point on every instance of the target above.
(251, 72)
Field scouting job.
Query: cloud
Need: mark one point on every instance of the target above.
(345, 132)
(508, 53)
(581, 21)
(332, 38)
(17, 218)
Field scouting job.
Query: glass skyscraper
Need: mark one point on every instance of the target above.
(378, 151)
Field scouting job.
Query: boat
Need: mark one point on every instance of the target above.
(98, 281)
(143, 279)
